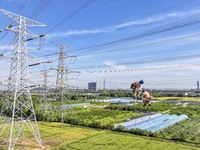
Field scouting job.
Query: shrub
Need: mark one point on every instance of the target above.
(180, 95)
(95, 124)
(120, 128)
(108, 126)
(180, 137)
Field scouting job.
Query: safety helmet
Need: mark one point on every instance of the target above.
(141, 82)
(143, 89)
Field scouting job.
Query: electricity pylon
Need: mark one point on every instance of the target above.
(18, 110)
(62, 79)
(45, 104)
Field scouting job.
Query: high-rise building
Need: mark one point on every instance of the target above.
(197, 85)
(92, 86)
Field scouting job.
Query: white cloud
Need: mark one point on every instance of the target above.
(74, 32)
(6, 47)
(114, 66)
(175, 15)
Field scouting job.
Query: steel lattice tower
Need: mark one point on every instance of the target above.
(61, 77)
(45, 104)
(18, 111)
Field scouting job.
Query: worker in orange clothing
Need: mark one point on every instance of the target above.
(146, 97)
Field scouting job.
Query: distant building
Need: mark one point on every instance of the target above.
(92, 86)
(197, 85)
(197, 89)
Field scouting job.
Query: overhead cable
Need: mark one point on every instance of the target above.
(143, 61)
(133, 47)
(146, 69)
(191, 20)
(22, 6)
(84, 5)
(39, 8)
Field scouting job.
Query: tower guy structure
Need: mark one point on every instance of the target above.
(17, 113)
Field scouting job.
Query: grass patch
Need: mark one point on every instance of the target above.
(113, 141)
(102, 116)
(196, 99)
(81, 138)
(187, 130)
(53, 135)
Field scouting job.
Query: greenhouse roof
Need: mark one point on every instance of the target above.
(153, 123)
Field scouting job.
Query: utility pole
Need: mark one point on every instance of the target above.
(104, 84)
(18, 111)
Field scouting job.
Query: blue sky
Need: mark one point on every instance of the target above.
(90, 32)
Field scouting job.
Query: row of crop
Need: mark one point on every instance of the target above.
(187, 130)
(157, 107)
(96, 122)
(192, 111)
(90, 117)
(106, 118)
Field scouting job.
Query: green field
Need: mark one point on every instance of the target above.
(92, 116)
(195, 99)
(187, 130)
(115, 141)
(87, 124)
(79, 138)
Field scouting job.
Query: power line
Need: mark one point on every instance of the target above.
(167, 8)
(89, 52)
(147, 69)
(39, 8)
(191, 20)
(22, 6)
(167, 59)
(84, 5)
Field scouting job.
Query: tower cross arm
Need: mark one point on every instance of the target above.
(27, 34)
(61, 46)
(16, 18)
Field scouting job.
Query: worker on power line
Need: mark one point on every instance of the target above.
(146, 97)
(136, 88)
